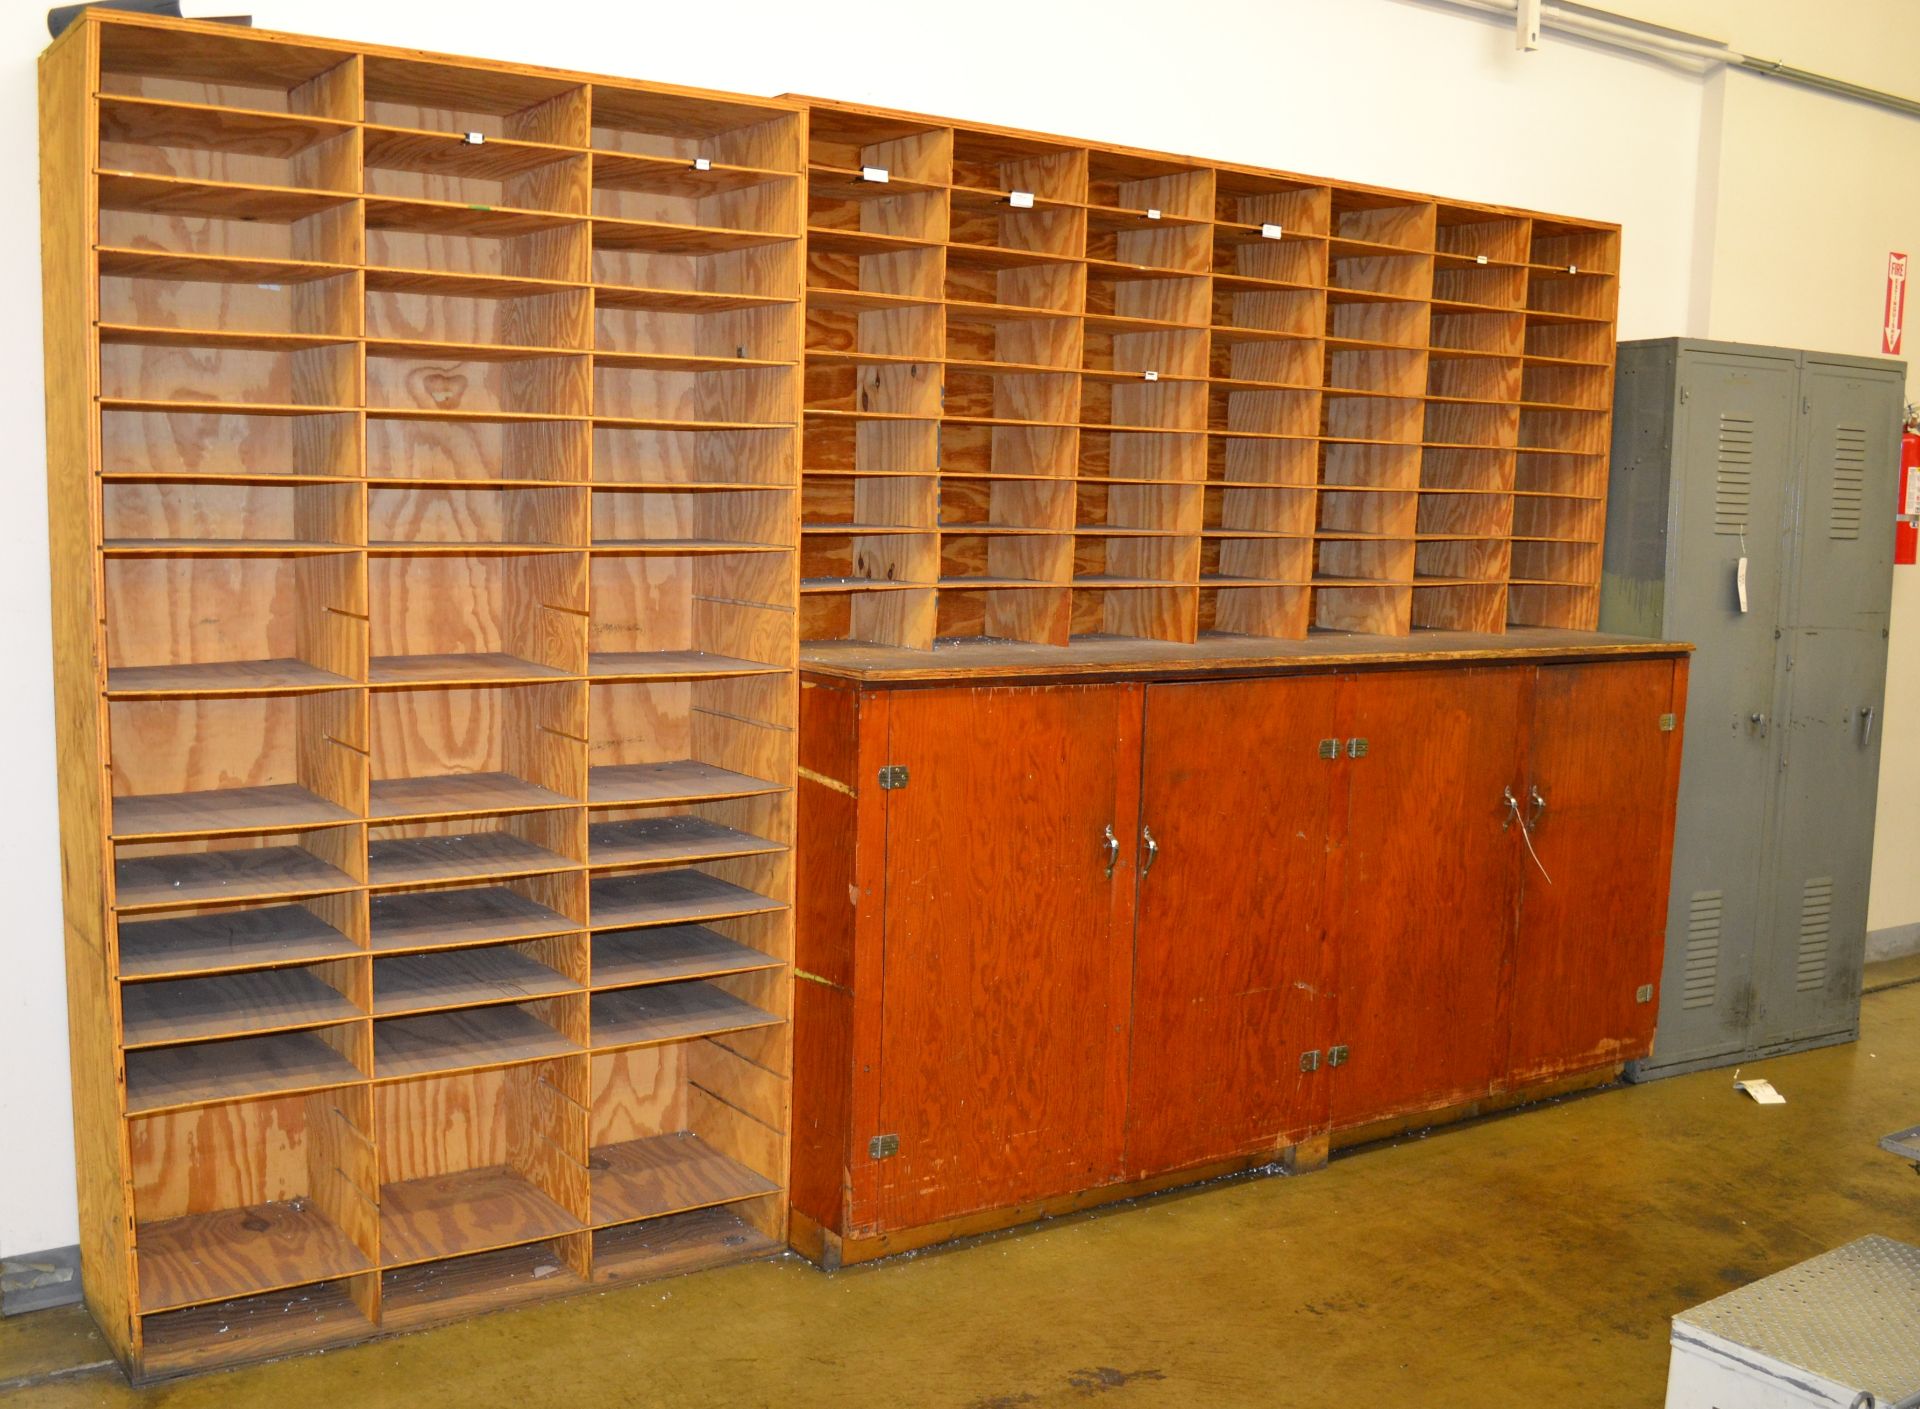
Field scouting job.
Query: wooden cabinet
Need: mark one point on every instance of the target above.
(1334, 898)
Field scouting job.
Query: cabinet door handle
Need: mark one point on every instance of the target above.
(1759, 723)
(1539, 807)
(1153, 849)
(1866, 725)
(1113, 851)
(1513, 809)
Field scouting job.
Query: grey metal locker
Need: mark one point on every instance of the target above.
(1751, 513)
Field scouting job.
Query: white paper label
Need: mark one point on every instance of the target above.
(474, 139)
(702, 164)
(1479, 259)
(1913, 494)
(1761, 1090)
(1573, 269)
(1152, 214)
(1272, 232)
(877, 174)
(1151, 376)
(1020, 200)
(1740, 582)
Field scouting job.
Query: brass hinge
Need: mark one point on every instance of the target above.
(1310, 1061)
(894, 775)
(1356, 748)
(1337, 1056)
(1666, 723)
(883, 1147)
(1329, 748)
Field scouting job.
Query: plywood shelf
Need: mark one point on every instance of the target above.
(282, 807)
(236, 677)
(631, 958)
(669, 840)
(242, 1068)
(406, 861)
(446, 919)
(670, 1012)
(671, 897)
(175, 879)
(665, 1174)
(171, 1011)
(467, 1040)
(682, 780)
(211, 1257)
(462, 978)
(672, 665)
(473, 668)
(222, 940)
(458, 795)
(473, 1210)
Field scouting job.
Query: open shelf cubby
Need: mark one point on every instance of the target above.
(999, 320)
(427, 488)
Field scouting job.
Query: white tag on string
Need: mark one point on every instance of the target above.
(1152, 213)
(474, 139)
(702, 164)
(1272, 232)
(1020, 200)
(875, 174)
(1740, 581)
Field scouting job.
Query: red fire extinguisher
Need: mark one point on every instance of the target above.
(1906, 523)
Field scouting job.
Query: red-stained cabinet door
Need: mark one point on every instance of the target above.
(1602, 778)
(1429, 887)
(1229, 921)
(1009, 944)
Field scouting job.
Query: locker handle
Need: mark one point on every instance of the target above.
(1112, 845)
(1513, 810)
(1759, 722)
(1539, 807)
(1153, 849)
(1866, 725)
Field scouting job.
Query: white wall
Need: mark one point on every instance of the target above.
(1369, 90)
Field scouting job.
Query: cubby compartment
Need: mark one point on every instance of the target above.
(205, 941)
(1556, 563)
(1146, 296)
(1014, 282)
(470, 848)
(199, 1074)
(1124, 345)
(677, 1126)
(1553, 605)
(1557, 296)
(1376, 218)
(215, 444)
(1455, 424)
(1461, 377)
(682, 741)
(167, 1012)
(1576, 476)
(853, 273)
(1563, 247)
(1254, 511)
(1143, 456)
(1449, 560)
(1458, 285)
(1579, 344)
(472, 251)
(1480, 607)
(978, 220)
(1258, 411)
(446, 752)
(656, 616)
(1455, 334)
(1576, 432)
(406, 164)
(420, 518)
(1138, 404)
(160, 518)
(976, 559)
(1240, 459)
(162, 371)
(981, 335)
(684, 832)
(456, 98)
(472, 1160)
(1572, 520)
(560, 320)
(511, 909)
(1473, 470)
(682, 895)
(1243, 314)
(1267, 361)
(258, 763)
(487, 381)
(1386, 372)
(1550, 387)
(1280, 613)
(158, 301)
(1046, 398)
(1361, 321)
(477, 976)
(1251, 206)
(465, 615)
(230, 70)
(233, 623)
(997, 163)
(172, 874)
(1385, 419)
(680, 132)
(251, 1197)
(1369, 609)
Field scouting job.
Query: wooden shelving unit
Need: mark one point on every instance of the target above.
(425, 488)
(1056, 390)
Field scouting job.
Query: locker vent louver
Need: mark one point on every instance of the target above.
(1849, 482)
(1816, 924)
(1733, 475)
(1701, 979)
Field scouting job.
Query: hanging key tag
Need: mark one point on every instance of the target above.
(1740, 573)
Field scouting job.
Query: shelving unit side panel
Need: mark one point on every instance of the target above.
(69, 126)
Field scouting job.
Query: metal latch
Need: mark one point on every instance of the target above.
(1329, 748)
(1356, 748)
(1310, 1061)
(894, 775)
(883, 1147)
(1667, 722)
(1337, 1056)
(1643, 994)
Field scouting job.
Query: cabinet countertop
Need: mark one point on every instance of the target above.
(1117, 657)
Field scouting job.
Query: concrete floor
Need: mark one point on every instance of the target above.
(1529, 1259)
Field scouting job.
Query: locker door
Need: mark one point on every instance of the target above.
(1851, 428)
(1733, 459)
(1809, 982)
